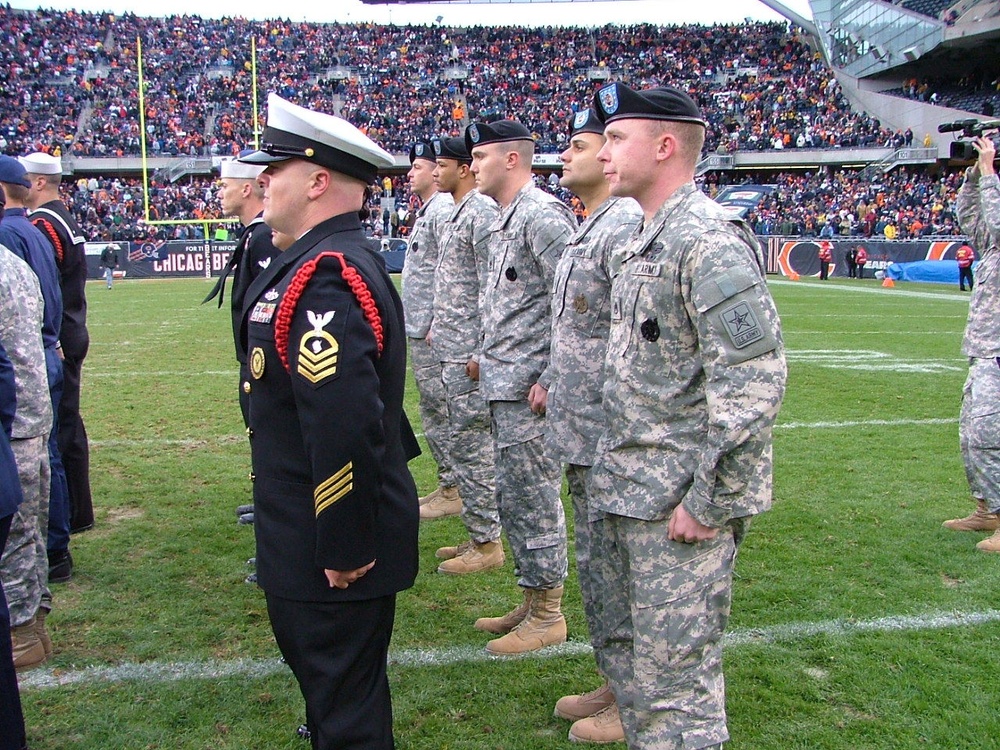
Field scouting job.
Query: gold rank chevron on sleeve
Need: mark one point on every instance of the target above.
(334, 488)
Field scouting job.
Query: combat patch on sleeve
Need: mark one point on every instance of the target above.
(731, 305)
(334, 488)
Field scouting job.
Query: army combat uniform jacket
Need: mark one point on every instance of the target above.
(696, 370)
(581, 319)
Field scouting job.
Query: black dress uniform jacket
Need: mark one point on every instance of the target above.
(328, 434)
(67, 240)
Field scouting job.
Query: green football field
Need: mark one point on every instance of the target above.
(858, 622)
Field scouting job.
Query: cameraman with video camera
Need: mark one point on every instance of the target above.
(979, 423)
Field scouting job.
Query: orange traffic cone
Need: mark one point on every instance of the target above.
(888, 283)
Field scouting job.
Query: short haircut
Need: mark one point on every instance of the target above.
(690, 137)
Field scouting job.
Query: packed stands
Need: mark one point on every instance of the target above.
(759, 84)
(902, 204)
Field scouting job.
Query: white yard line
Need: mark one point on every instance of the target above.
(159, 672)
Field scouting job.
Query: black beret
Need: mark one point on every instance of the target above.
(585, 121)
(618, 102)
(451, 148)
(501, 131)
(422, 150)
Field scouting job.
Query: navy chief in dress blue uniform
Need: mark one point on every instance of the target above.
(336, 507)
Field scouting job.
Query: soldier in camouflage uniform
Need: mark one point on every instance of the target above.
(527, 240)
(457, 336)
(581, 317)
(979, 426)
(695, 377)
(418, 307)
(24, 567)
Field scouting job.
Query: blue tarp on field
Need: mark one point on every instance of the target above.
(933, 271)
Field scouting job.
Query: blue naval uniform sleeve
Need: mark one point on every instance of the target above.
(337, 398)
(10, 485)
(8, 392)
(739, 339)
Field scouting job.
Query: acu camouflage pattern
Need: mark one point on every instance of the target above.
(461, 274)
(21, 315)
(979, 421)
(581, 319)
(978, 210)
(663, 610)
(418, 310)
(527, 240)
(696, 374)
(456, 332)
(696, 370)
(24, 568)
(979, 431)
(418, 268)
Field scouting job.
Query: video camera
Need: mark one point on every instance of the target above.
(971, 128)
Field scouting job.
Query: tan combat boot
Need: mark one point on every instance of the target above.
(41, 632)
(432, 495)
(446, 553)
(28, 649)
(602, 728)
(484, 556)
(980, 520)
(990, 544)
(509, 621)
(576, 707)
(448, 503)
(543, 626)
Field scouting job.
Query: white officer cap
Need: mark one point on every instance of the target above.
(294, 132)
(240, 171)
(40, 163)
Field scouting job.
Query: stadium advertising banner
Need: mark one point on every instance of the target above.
(159, 259)
(792, 256)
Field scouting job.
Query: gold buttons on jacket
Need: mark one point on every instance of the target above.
(246, 386)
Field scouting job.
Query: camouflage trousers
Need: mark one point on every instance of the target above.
(471, 452)
(664, 607)
(433, 410)
(979, 431)
(24, 567)
(588, 532)
(528, 496)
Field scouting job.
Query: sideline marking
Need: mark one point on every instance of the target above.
(896, 292)
(255, 668)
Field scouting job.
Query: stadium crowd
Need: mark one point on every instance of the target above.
(841, 202)
(902, 204)
(71, 86)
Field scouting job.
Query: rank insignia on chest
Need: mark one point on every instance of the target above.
(257, 363)
(318, 350)
(742, 325)
(580, 304)
(650, 329)
(263, 312)
(271, 295)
